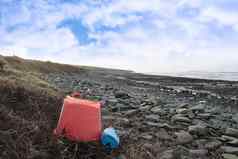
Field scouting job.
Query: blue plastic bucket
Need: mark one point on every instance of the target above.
(110, 139)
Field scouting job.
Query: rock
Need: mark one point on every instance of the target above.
(183, 137)
(232, 132)
(181, 152)
(152, 124)
(166, 155)
(121, 107)
(204, 116)
(156, 110)
(199, 130)
(183, 105)
(121, 156)
(144, 108)
(152, 117)
(130, 113)
(147, 137)
(182, 111)
(200, 153)
(200, 143)
(229, 156)
(211, 145)
(121, 94)
(230, 150)
(233, 142)
(163, 135)
(111, 101)
(179, 118)
(198, 108)
(235, 118)
(230, 140)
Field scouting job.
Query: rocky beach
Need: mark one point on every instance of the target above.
(166, 117)
(157, 117)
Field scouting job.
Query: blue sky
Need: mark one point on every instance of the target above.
(140, 35)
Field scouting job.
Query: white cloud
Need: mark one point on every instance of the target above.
(223, 17)
(157, 39)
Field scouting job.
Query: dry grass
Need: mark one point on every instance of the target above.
(29, 109)
(39, 66)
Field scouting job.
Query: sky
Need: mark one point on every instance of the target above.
(149, 36)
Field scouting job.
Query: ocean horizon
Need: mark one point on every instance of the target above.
(227, 76)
